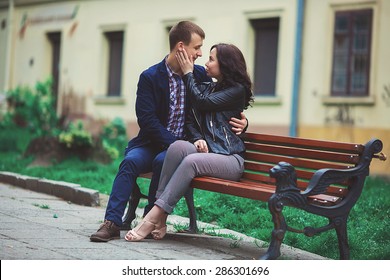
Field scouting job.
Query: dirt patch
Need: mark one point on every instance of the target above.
(48, 151)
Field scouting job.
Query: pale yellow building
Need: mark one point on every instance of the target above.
(320, 67)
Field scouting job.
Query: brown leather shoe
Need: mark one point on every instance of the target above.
(107, 231)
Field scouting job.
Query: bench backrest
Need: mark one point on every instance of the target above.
(306, 155)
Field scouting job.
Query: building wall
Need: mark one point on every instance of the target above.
(83, 51)
(3, 47)
(83, 67)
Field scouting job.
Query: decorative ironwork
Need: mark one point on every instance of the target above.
(287, 194)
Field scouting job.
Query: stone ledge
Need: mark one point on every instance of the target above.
(67, 191)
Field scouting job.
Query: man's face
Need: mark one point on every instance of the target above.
(193, 49)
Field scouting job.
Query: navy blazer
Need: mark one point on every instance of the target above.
(152, 106)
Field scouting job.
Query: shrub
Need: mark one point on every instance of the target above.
(13, 138)
(76, 137)
(112, 152)
(114, 137)
(114, 133)
(33, 108)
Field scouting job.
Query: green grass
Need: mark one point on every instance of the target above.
(89, 174)
(368, 225)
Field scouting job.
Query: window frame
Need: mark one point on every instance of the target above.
(115, 41)
(259, 25)
(350, 35)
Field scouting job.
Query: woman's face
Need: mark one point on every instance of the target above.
(212, 66)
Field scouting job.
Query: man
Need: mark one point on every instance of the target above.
(160, 109)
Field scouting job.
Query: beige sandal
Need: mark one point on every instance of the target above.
(159, 233)
(140, 232)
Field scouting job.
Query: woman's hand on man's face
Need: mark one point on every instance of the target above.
(186, 63)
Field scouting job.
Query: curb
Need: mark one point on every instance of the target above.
(74, 193)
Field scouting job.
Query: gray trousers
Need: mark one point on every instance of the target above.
(182, 163)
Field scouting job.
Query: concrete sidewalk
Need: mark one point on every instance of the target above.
(38, 226)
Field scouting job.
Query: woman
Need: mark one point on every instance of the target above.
(212, 148)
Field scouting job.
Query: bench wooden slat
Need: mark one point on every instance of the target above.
(336, 192)
(146, 175)
(304, 143)
(325, 200)
(303, 153)
(297, 162)
(333, 190)
(250, 190)
(262, 170)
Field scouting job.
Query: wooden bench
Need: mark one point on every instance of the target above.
(325, 178)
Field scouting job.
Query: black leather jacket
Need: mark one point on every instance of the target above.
(209, 113)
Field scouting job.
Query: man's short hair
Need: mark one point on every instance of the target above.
(183, 31)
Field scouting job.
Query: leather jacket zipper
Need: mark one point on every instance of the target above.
(197, 121)
(212, 128)
(226, 136)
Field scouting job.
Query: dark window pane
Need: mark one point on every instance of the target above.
(360, 42)
(341, 44)
(351, 53)
(341, 63)
(115, 41)
(341, 24)
(55, 41)
(358, 74)
(266, 55)
(362, 23)
(340, 83)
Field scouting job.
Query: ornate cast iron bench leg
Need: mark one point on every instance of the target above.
(279, 231)
(135, 197)
(286, 194)
(340, 224)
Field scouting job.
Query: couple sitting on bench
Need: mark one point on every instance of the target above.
(213, 147)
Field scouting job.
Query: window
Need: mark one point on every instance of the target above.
(168, 29)
(351, 53)
(115, 51)
(266, 55)
(55, 42)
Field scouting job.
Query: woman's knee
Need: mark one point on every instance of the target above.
(181, 147)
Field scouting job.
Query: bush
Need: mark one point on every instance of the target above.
(33, 109)
(114, 133)
(30, 126)
(76, 137)
(13, 138)
(114, 137)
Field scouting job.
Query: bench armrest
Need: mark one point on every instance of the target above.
(327, 176)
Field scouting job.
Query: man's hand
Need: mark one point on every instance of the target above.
(239, 124)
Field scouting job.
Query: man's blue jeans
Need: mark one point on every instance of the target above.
(136, 161)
